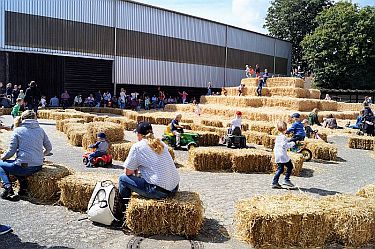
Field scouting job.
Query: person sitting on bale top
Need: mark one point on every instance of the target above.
(297, 129)
(150, 156)
(331, 123)
(281, 157)
(313, 117)
(175, 126)
(27, 142)
(358, 122)
(101, 147)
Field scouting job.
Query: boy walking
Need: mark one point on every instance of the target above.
(281, 157)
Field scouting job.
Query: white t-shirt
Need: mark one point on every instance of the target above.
(281, 148)
(156, 169)
(236, 123)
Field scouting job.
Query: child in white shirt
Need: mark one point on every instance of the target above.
(281, 157)
(237, 122)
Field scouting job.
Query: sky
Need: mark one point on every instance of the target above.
(247, 14)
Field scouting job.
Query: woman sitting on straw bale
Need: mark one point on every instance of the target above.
(313, 117)
(331, 123)
(159, 177)
(28, 141)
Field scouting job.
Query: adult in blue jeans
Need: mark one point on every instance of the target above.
(150, 157)
(30, 143)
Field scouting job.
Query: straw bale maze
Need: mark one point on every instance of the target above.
(284, 220)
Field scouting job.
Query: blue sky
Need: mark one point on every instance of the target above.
(247, 14)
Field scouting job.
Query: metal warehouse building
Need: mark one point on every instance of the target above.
(83, 45)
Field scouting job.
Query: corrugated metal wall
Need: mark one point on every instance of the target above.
(153, 46)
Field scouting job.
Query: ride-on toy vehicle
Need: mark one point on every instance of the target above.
(235, 138)
(188, 139)
(105, 160)
(301, 148)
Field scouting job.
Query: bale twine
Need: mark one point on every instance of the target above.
(363, 143)
(76, 189)
(179, 215)
(43, 185)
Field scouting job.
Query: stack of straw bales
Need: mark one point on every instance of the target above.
(341, 106)
(60, 123)
(114, 132)
(127, 124)
(75, 133)
(285, 82)
(77, 188)
(178, 215)
(100, 118)
(299, 220)
(363, 143)
(245, 160)
(314, 94)
(43, 185)
(322, 150)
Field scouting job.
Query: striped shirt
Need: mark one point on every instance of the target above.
(156, 169)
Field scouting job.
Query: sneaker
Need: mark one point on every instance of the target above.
(5, 229)
(289, 184)
(7, 194)
(276, 186)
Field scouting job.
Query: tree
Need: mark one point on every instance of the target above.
(341, 50)
(292, 20)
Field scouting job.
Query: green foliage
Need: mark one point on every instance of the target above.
(292, 20)
(341, 50)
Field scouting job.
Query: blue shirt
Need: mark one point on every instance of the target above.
(297, 129)
(173, 125)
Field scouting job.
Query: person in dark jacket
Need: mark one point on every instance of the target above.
(32, 97)
(297, 129)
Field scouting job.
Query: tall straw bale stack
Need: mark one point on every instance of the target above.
(297, 160)
(126, 123)
(250, 82)
(250, 161)
(322, 150)
(178, 215)
(209, 159)
(341, 106)
(76, 189)
(285, 82)
(281, 221)
(327, 105)
(289, 92)
(363, 143)
(60, 123)
(314, 94)
(43, 185)
(114, 132)
(367, 191)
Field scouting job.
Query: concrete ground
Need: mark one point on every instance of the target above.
(46, 226)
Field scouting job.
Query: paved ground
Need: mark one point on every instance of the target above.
(40, 226)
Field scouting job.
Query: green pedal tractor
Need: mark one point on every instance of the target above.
(188, 139)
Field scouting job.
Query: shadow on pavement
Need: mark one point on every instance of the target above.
(213, 232)
(114, 166)
(51, 124)
(319, 191)
(306, 173)
(12, 241)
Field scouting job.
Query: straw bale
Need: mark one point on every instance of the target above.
(285, 82)
(212, 122)
(289, 92)
(114, 132)
(250, 82)
(87, 141)
(297, 160)
(126, 123)
(367, 191)
(327, 105)
(281, 221)
(210, 159)
(248, 91)
(254, 137)
(179, 215)
(179, 108)
(70, 127)
(265, 127)
(250, 160)
(88, 117)
(197, 128)
(314, 94)
(60, 123)
(76, 137)
(6, 111)
(236, 101)
(207, 138)
(44, 114)
(363, 143)
(269, 141)
(323, 136)
(341, 106)
(43, 185)
(322, 150)
(100, 118)
(76, 189)
(163, 120)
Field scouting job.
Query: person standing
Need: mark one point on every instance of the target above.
(247, 71)
(65, 99)
(265, 77)
(209, 89)
(15, 93)
(122, 98)
(78, 100)
(257, 70)
(32, 97)
(54, 102)
(161, 99)
(183, 97)
(107, 98)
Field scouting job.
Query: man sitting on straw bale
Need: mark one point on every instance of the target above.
(297, 129)
(175, 126)
(159, 177)
(281, 157)
(101, 148)
(313, 117)
(28, 141)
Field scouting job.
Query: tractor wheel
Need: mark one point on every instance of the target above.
(100, 163)
(192, 146)
(229, 143)
(307, 155)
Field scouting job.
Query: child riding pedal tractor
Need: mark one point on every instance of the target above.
(299, 134)
(98, 158)
(177, 138)
(234, 136)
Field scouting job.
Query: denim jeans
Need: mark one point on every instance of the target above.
(95, 154)
(9, 167)
(32, 107)
(280, 170)
(140, 186)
